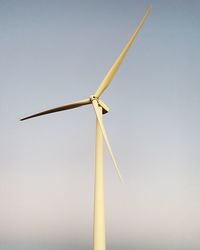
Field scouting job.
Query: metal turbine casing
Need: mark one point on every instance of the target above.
(105, 108)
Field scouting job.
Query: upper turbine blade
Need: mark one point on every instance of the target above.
(61, 108)
(109, 76)
(96, 108)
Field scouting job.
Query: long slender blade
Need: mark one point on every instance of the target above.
(61, 108)
(109, 76)
(95, 105)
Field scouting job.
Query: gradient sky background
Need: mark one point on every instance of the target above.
(55, 52)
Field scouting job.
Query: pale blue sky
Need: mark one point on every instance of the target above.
(55, 52)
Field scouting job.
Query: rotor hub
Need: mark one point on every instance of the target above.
(105, 109)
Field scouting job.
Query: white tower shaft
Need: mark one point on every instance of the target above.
(99, 220)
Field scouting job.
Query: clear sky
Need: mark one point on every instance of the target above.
(55, 52)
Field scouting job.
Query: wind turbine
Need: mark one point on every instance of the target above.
(100, 108)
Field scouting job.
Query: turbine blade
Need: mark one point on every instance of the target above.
(61, 108)
(109, 76)
(96, 108)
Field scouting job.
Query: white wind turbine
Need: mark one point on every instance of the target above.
(100, 108)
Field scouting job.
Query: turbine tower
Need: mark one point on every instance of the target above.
(100, 108)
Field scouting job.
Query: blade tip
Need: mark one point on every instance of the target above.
(150, 7)
(22, 119)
